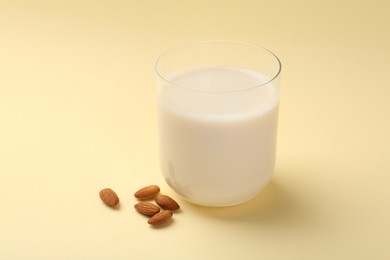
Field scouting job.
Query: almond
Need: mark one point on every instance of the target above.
(148, 192)
(147, 208)
(109, 197)
(167, 202)
(160, 218)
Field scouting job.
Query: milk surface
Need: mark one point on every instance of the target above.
(217, 132)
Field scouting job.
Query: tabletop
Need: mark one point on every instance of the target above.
(78, 114)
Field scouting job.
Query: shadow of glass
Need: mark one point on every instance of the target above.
(276, 204)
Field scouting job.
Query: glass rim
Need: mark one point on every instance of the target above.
(251, 45)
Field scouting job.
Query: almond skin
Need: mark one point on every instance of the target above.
(166, 202)
(148, 192)
(161, 218)
(147, 208)
(109, 197)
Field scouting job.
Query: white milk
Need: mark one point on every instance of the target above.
(217, 148)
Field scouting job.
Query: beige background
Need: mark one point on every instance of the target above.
(77, 114)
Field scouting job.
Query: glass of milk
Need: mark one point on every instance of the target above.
(217, 120)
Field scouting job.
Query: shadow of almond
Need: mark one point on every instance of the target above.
(276, 204)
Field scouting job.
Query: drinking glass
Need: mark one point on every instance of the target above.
(217, 120)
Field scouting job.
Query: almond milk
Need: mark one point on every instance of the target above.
(217, 132)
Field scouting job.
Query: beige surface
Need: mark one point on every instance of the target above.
(77, 114)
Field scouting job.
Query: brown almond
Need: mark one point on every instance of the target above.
(167, 202)
(147, 208)
(109, 197)
(148, 192)
(161, 218)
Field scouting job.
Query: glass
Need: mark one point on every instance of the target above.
(217, 120)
